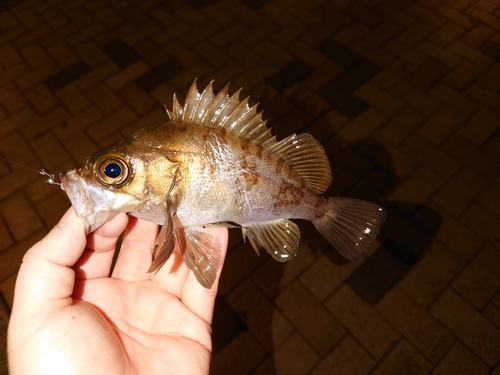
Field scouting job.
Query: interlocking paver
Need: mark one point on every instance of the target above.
(418, 327)
(469, 325)
(402, 94)
(372, 331)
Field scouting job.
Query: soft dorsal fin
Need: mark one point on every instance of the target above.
(222, 111)
(304, 154)
(301, 152)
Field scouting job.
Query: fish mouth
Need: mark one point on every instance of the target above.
(92, 205)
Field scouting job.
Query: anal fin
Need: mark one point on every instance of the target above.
(279, 237)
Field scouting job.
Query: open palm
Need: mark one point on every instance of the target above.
(70, 317)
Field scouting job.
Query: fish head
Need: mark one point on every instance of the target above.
(109, 182)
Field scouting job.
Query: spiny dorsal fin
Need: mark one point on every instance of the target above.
(222, 111)
(301, 152)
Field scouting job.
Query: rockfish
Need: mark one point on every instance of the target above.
(215, 163)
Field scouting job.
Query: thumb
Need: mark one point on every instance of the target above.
(45, 279)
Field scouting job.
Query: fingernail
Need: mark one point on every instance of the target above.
(66, 218)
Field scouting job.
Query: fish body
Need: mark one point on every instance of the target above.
(216, 163)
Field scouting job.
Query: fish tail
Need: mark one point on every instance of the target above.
(350, 225)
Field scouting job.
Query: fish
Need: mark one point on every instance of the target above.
(216, 163)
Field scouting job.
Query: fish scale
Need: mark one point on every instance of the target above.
(215, 162)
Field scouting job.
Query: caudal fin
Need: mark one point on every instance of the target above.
(350, 225)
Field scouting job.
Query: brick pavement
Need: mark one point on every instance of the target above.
(404, 96)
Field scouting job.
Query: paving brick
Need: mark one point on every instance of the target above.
(229, 359)
(401, 126)
(78, 123)
(398, 16)
(127, 75)
(484, 16)
(481, 126)
(7, 21)
(471, 54)
(309, 317)
(428, 15)
(105, 98)
(97, 75)
(12, 98)
(348, 357)
(15, 181)
(53, 208)
(471, 156)
(239, 264)
(428, 278)
(58, 35)
(111, 124)
(461, 361)
(163, 73)
(80, 146)
(458, 238)
(383, 33)
(418, 188)
(50, 151)
(415, 33)
(477, 35)
(85, 35)
(32, 36)
(295, 356)
(483, 223)
(64, 55)
(55, 18)
(455, 100)
(364, 125)
(260, 316)
(326, 274)
(6, 238)
(492, 309)
(273, 276)
(34, 55)
(41, 98)
(73, 98)
(372, 53)
(11, 259)
(448, 58)
(418, 327)
(9, 56)
(460, 192)
(469, 325)
(16, 121)
(374, 334)
(20, 216)
(446, 34)
(440, 126)
(480, 280)
(416, 99)
(455, 16)
(403, 359)
(462, 76)
(37, 76)
(41, 125)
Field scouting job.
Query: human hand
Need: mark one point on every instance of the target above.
(70, 317)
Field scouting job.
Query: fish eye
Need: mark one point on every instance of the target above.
(112, 170)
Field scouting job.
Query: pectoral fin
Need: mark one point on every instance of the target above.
(200, 252)
(164, 242)
(279, 237)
